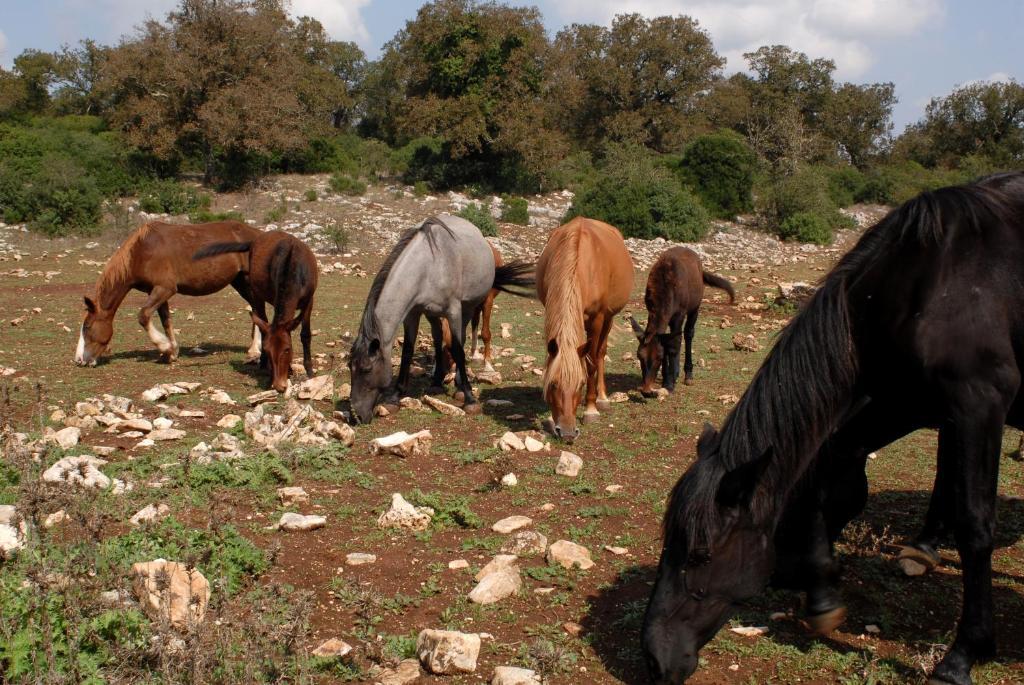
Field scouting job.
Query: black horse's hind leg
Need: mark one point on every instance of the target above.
(688, 330)
(437, 381)
(970, 443)
(410, 331)
(938, 522)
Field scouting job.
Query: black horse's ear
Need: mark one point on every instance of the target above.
(636, 328)
(737, 486)
(552, 348)
(707, 440)
(90, 306)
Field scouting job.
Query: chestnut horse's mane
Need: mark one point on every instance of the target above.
(563, 310)
(119, 266)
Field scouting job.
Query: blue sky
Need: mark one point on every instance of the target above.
(925, 47)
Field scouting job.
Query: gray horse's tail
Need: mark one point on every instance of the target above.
(516, 278)
(221, 248)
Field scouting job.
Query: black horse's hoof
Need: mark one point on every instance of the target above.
(917, 560)
(826, 622)
(435, 390)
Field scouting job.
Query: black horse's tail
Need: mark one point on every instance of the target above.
(516, 275)
(221, 248)
(716, 281)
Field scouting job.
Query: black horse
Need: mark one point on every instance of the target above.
(920, 325)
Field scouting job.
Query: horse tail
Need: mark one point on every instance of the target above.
(516, 275)
(221, 248)
(716, 281)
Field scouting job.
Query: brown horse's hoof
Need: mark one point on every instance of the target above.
(591, 416)
(473, 409)
(824, 624)
(603, 405)
(914, 561)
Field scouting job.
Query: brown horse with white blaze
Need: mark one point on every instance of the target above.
(155, 259)
(584, 277)
(283, 271)
(675, 290)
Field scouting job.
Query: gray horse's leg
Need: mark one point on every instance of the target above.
(457, 324)
(437, 382)
(410, 331)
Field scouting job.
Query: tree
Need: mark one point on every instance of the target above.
(77, 76)
(859, 119)
(640, 80)
(226, 80)
(720, 167)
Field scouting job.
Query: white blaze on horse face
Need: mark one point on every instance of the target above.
(158, 338)
(80, 350)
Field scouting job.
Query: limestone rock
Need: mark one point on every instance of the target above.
(293, 521)
(162, 423)
(229, 421)
(510, 442)
(333, 648)
(169, 590)
(82, 470)
(262, 397)
(532, 444)
(360, 559)
(499, 563)
(290, 496)
(569, 554)
(167, 434)
(569, 465)
(497, 586)
(154, 394)
(65, 438)
(509, 480)
(402, 514)
(317, 388)
(511, 523)
(443, 407)
(446, 652)
(143, 425)
(407, 671)
(150, 513)
(745, 343)
(403, 444)
(617, 397)
(525, 543)
(513, 675)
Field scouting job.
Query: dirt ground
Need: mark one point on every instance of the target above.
(573, 626)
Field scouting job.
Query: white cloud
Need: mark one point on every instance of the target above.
(341, 18)
(842, 30)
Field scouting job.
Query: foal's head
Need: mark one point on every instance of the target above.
(277, 344)
(370, 367)
(650, 353)
(95, 334)
(700, 581)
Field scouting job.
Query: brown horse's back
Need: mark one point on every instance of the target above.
(675, 284)
(605, 269)
(163, 255)
(303, 264)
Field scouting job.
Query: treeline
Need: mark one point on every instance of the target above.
(637, 117)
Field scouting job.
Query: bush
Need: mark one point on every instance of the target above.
(641, 198)
(171, 197)
(845, 185)
(310, 195)
(205, 216)
(720, 168)
(420, 189)
(337, 235)
(515, 210)
(805, 192)
(894, 184)
(479, 216)
(806, 228)
(346, 185)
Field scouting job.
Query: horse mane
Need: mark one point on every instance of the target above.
(563, 311)
(287, 274)
(369, 328)
(119, 267)
(807, 381)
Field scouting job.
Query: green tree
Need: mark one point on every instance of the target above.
(720, 168)
(859, 120)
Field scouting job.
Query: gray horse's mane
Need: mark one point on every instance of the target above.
(368, 329)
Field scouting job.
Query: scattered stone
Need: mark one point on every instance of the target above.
(82, 470)
(509, 480)
(154, 394)
(219, 396)
(192, 414)
(569, 554)
(402, 514)
(499, 403)
(403, 444)
(360, 559)
(65, 438)
(292, 495)
(143, 425)
(510, 442)
(533, 444)
(381, 411)
(513, 675)
(56, 517)
(457, 564)
(745, 343)
(506, 331)
(229, 421)
(613, 488)
(410, 403)
(262, 397)
(87, 409)
(332, 649)
(167, 434)
(749, 631)
(299, 522)
(144, 443)
(572, 628)
(511, 523)
(496, 586)
(12, 532)
(162, 423)
(150, 513)
(491, 377)
(407, 671)
(569, 465)
(795, 293)
(618, 397)
(525, 543)
(912, 568)
(317, 388)
(498, 563)
(444, 652)
(443, 407)
(170, 590)
(617, 551)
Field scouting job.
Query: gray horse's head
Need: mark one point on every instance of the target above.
(370, 367)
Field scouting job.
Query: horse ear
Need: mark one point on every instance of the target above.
(708, 438)
(552, 348)
(260, 323)
(294, 323)
(90, 306)
(637, 329)
(737, 486)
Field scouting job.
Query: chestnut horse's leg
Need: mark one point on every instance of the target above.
(602, 392)
(473, 323)
(595, 325)
(157, 296)
(164, 311)
(442, 342)
(485, 328)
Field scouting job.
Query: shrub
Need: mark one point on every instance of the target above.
(479, 216)
(896, 183)
(171, 197)
(806, 227)
(515, 210)
(805, 192)
(346, 185)
(277, 212)
(845, 185)
(310, 195)
(205, 216)
(720, 168)
(420, 189)
(641, 198)
(337, 235)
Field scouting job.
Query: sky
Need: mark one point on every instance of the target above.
(925, 47)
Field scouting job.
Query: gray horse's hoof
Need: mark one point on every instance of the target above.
(603, 405)
(591, 416)
(824, 624)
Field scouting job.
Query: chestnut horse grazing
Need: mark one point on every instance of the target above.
(674, 292)
(282, 272)
(484, 326)
(584, 277)
(919, 325)
(155, 259)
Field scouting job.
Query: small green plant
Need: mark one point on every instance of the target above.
(170, 197)
(337, 236)
(515, 210)
(347, 185)
(277, 212)
(310, 195)
(449, 510)
(420, 189)
(806, 227)
(720, 168)
(205, 216)
(480, 217)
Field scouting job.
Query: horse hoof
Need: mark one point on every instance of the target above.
(435, 390)
(459, 397)
(823, 624)
(687, 381)
(473, 409)
(603, 405)
(591, 416)
(915, 561)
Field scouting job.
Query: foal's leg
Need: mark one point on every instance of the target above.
(593, 327)
(441, 364)
(688, 330)
(164, 311)
(411, 330)
(307, 338)
(157, 297)
(485, 328)
(602, 392)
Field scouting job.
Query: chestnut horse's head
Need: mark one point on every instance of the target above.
(277, 344)
(564, 377)
(703, 576)
(370, 367)
(95, 334)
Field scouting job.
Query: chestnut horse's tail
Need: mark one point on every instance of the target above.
(221, 248)
(716, 281)
(515, 275)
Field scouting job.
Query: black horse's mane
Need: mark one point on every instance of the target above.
(368, 328)
(807, 381)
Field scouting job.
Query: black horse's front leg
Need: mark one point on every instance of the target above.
(458, 352)
(401, 387)
(437, 381)
(688, 331)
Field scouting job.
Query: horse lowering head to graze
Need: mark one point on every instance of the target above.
(282, 272)
(156, 259)
(918, 326)
(675, 289)
(584, 277)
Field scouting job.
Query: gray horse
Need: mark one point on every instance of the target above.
(442, 269)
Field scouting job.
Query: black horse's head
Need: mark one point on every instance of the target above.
(370, 367)
(703, 574)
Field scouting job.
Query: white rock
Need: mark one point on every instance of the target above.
(511, 523)
(167, 434)
(446, 652)
(402, 514)
(513, 675)
(316, 388)
(569, 465)
(262, 397)
(525, 543)
(143, 425)
(569, 554)
(749, 631)
(360, 559)
(219, 396)
(290, 496)
(229, 421)
(403, 444)
(87, 409)
(82, 470)
(192, 414)
(150, 513)
(497, 586)
(333, 648)
(154, 394)
(617, 551)
(56, 517)
(500, 562)
(293, 521)
(532, 444)
(169, 590)
(66, 438)
(458, 564)
(407, 671)
(510, 442)
(443, 407)
(509, 480)
(162, 423)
